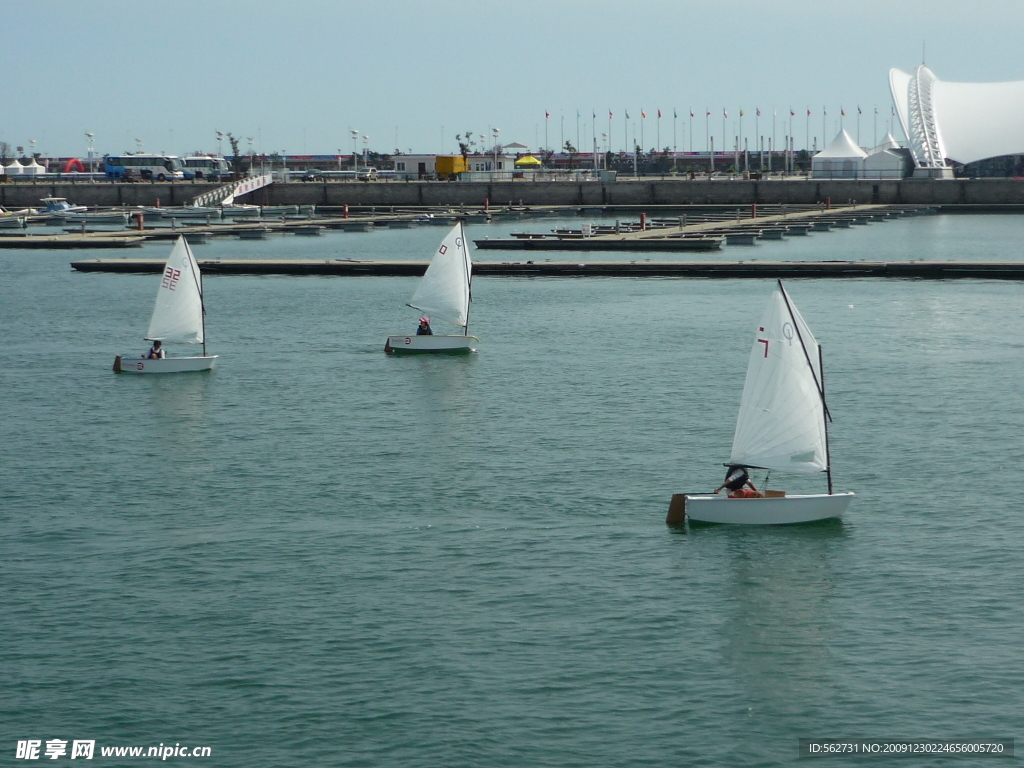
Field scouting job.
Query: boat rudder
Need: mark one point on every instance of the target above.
(117, 364)
(676, 510)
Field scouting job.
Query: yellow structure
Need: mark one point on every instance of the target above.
(450, 166)
(528, 161)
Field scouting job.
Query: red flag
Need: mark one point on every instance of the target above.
(792, 113)
(708, 114)
(643, 114)
(758, 110)
(659, 113)
(842, 112)
(610, 114)
(547, 115)
(724, 113)
(691, 113)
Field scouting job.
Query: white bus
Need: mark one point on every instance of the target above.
(206, 167)
(143, 166)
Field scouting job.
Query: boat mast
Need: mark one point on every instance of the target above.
(202, 299)
(828, 453)
(469, 276)
(202, 306)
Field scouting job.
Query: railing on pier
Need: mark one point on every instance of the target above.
(226, 194)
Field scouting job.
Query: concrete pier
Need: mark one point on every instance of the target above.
(922, 270)
(987, 194)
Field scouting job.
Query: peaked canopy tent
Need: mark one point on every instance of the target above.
(963, 122)
(528, 161)
(839, 160)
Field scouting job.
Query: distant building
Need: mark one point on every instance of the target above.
(432, 166)
(415, 166)
(843, 159)
(961, 123)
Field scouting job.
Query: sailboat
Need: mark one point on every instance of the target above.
(782, 426)
(445, 292)
(179, 316)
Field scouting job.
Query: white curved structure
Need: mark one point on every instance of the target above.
(963, 122)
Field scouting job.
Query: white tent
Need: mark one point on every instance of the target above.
(889, 142)
(887, 161)
(34, 168)
(839, 160)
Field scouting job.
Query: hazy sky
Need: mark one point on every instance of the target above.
(298, 76)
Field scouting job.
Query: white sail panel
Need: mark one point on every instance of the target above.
(781, 424)
(444, 290)
(178, 314)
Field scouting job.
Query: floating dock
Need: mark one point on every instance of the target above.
(703, 231)
(922, 270)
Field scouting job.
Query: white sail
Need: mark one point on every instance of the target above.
(178, 314)
(781, 424)
(444, 290)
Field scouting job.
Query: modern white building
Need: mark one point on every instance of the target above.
(962, 122)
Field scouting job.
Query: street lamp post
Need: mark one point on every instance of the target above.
(604, 163)
(220, 145)
(366, 151)
(92, 155)
(495, 132)
(355, 141)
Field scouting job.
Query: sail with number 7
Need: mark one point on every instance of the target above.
(781, 423)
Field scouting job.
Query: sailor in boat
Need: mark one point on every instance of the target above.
(736, 481)
(424, 329)
(156, 352)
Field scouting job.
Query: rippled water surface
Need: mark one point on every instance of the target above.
(320, 555)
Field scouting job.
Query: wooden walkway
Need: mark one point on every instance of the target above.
(706, 232)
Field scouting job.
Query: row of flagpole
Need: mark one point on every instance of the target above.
(708, 138)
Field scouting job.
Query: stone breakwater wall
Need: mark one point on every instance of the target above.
(976, 192)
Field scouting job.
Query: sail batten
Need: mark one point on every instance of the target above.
(444, 290)
(178, 312)
(781, 423)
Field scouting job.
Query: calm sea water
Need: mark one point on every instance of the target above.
(320, 555)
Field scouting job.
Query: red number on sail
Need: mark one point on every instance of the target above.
(171, 278)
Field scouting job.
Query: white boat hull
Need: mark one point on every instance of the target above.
(411, 345)
(97, 218)
(785, 510)
(163, 365)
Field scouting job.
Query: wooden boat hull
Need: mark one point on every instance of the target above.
(413, 345)
(785, 510)
(164, 365)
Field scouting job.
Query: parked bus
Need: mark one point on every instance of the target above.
(159, 167)
(206, 168)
